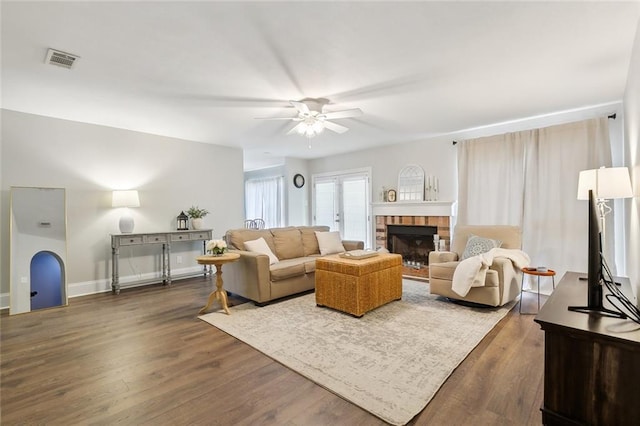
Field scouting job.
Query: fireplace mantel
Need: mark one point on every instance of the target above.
(413, 208)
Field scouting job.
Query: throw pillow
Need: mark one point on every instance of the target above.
(309, 240)
(261, 246)
(288, 243)
(478, 245)
(330, 242)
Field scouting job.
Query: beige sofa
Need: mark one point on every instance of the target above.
(502, 282)
(296, 248)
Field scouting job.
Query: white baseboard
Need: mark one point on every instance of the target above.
(4, 301)
(103, 286)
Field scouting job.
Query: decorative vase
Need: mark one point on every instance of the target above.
(196, 223)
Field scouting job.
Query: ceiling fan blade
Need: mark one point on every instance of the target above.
(335, 127)
(343, 114)
(297, 127)
(301, 107)
(233, 101)
(275, 118)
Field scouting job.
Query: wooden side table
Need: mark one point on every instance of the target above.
(534, 271)
(219, 293)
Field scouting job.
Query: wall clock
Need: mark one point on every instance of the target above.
(298, 180)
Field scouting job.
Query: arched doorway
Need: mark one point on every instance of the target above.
(47, 280)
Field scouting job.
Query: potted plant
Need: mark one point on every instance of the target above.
(197, 214)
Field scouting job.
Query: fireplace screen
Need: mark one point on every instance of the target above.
(413, 242)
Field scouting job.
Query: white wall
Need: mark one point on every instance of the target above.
(632, 160)
(436, 156)
(298, 208)
(89, 161)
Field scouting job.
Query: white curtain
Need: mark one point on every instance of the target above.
(554, 220)
(491, 180)
(530, 179)
(264, 199)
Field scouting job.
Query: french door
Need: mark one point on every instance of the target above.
(341, 201)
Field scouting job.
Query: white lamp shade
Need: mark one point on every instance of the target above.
(606, 183)
(125, 199)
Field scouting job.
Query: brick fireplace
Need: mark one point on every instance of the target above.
(415, 250)
(412, 226)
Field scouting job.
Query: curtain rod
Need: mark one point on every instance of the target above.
(612, 116)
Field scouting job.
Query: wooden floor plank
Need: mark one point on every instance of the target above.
(143, 357)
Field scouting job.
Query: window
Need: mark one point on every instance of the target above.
(264, 199)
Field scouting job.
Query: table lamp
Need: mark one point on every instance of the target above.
(607, 184)
(125, 199)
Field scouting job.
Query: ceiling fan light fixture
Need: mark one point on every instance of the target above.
(318, 126)
(309, 132)
(313, 120)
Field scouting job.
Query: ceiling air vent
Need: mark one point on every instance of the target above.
(61, 59)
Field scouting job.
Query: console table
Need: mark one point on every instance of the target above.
(591, 362)
(165, 239)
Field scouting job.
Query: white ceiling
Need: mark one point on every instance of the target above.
(203, 71)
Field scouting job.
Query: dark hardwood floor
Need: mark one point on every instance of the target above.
(143, 357)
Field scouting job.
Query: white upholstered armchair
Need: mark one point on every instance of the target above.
(502, 281)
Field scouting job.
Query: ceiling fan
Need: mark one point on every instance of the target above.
(313, 119)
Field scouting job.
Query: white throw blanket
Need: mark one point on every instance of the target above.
(472, 271)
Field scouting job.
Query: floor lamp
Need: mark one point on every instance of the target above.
(607, 184)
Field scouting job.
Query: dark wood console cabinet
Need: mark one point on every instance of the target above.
(591, 363)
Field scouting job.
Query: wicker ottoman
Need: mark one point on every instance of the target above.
(358, 286)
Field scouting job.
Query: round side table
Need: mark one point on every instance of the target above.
(219, 293)
(534, 271)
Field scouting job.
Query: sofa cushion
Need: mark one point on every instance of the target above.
(309, 240)
(237, 237)
(288, 243)
(260, 246)
(330, 242)
(286, 269)
(310, 264)
(477, 245)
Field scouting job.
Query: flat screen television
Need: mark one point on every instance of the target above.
(595, 269)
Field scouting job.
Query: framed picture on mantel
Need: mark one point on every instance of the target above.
(391, 195)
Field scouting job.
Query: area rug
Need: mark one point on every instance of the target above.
(390, 362)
